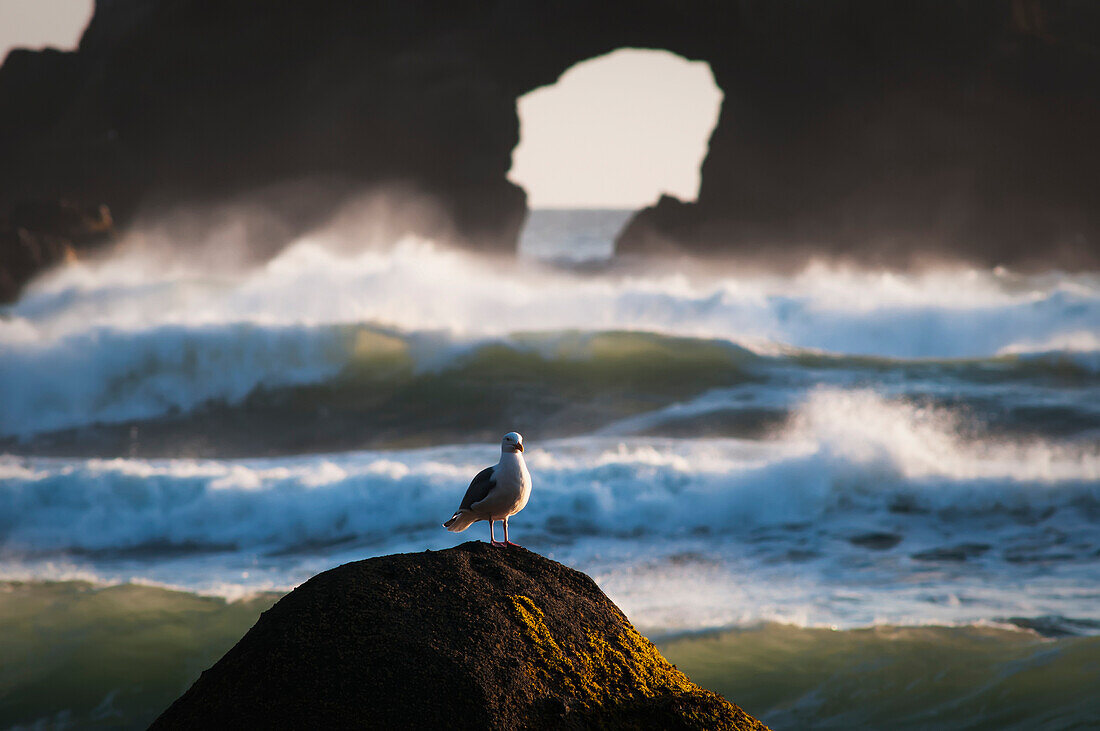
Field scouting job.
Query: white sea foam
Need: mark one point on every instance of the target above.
(723, 521)
(847, 452)
(958, 313)
(110, 375)
(684, 534)
(122, 339)
(925, 443)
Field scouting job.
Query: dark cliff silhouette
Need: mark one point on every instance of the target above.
(472, 637)
(883, 131)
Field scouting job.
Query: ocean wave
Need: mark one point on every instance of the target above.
(919, 442)
(122, 340)
(846, 455)
(864, 510)
(111, 376)
(946, 677)
(103, 377)
(83, 656)
(950, 313)
(1071, 351)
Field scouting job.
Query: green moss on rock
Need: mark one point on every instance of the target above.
(610, 677)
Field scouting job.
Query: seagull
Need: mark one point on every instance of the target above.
(497, 492)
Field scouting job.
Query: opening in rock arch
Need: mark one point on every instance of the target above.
(612, 135)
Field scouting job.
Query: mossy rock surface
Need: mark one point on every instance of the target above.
(471, 637)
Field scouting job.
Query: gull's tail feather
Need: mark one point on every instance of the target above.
(460, 521)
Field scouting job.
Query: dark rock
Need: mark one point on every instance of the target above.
(876, 541)
(886, 132)
(470, 637)
(36, 235)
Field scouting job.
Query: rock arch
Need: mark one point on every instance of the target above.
(851, 127)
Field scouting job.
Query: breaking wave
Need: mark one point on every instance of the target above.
(791, 677)
(856, 474)
(122, 341)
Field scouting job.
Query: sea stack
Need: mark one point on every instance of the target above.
(470, 637)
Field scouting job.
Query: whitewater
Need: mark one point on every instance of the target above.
(133, 338)
(833, 447)
(785, 479)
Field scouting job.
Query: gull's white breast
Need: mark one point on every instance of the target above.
(512, 489)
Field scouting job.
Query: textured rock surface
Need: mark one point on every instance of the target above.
(887, 131)
(35, 236)
(470, 637)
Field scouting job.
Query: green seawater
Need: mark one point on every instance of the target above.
(899, 677)
(397, 390)
(73, 655)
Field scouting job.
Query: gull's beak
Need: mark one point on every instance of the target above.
(519, 447)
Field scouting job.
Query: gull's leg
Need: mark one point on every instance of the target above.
(506, 541)
(492, 536)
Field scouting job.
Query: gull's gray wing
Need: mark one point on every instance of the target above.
(479, 487)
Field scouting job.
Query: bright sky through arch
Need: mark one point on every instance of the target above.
(616, 131)
(42, 23)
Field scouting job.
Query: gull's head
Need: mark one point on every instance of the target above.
(512, 442)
